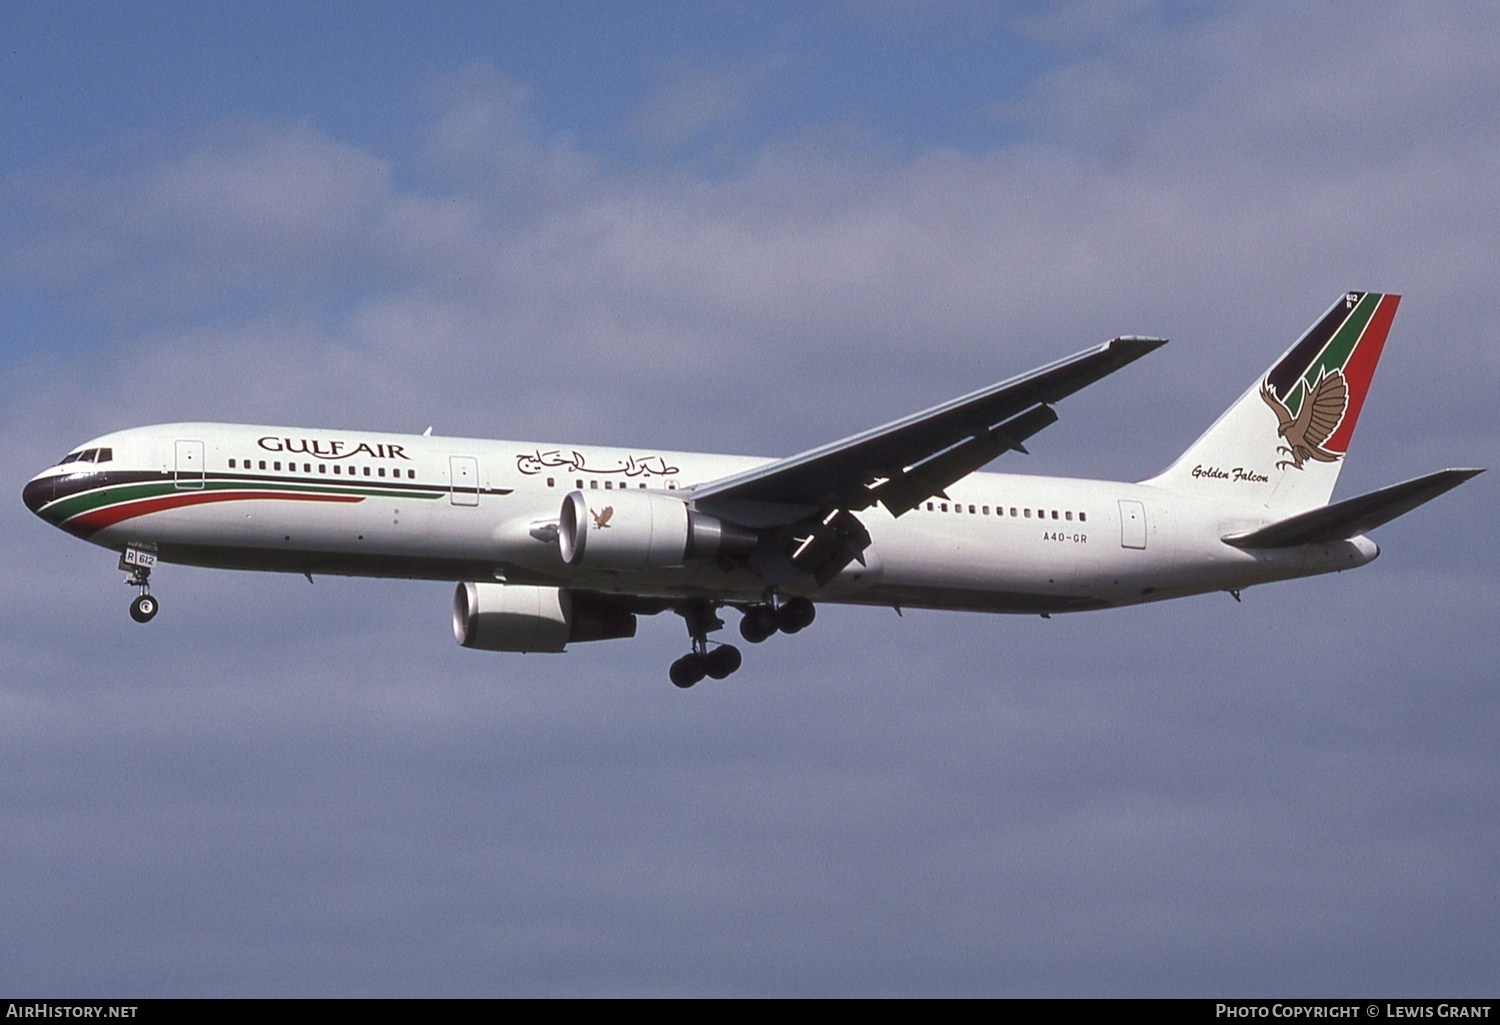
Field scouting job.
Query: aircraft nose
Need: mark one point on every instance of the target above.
(37, 493)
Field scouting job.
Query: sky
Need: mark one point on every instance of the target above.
(748, 228)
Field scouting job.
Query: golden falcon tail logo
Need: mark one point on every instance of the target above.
(601, 518)
(1322, 410)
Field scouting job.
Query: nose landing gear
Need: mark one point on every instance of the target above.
(138, 562)
(143, 609)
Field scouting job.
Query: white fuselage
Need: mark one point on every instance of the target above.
(326, 501)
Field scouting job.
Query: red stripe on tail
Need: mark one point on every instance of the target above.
(1360, 368)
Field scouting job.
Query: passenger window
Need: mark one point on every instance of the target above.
(971, 510)
(1054, 514)
(609, 485)
(986, 510)
(1028, 514)
(335, 467)
(593, 484)
(231, 464)
(551, 482)
(262, 464)
(1068, 515)
(1083, 517)
(322, 467)
(278, 464)
(367, 471)
(382, 471)
(412, 474)
(1012, 510)
(943, 507)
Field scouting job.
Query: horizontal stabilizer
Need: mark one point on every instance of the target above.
(1353, 516)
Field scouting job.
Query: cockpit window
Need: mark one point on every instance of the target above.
(88, 455)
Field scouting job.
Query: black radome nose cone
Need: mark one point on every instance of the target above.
(37, 493)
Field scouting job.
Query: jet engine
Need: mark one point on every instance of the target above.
(519, 617)
(629, 530)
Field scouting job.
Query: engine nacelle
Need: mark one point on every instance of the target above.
(520, 617)
(631, 530)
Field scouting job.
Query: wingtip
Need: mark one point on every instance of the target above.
(1134, 346)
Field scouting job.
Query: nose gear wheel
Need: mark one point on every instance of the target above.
(144, 607)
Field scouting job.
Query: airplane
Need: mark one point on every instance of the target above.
(552, 544)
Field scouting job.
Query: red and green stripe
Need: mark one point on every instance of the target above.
(89, 511)
(1349, 339)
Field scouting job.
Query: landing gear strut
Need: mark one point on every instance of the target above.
(702, 619)
(138, 561)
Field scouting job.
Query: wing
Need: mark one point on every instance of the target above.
(915, 458)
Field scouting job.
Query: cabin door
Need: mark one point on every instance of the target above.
(463, 475)
(189, 472)
(1132, 524)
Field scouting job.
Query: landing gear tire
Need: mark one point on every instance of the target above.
(722, 661)
(796, 615)
(688, 670)
(143, 609)
(758, 623)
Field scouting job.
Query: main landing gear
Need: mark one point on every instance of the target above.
(759, 623)
(702, 619)
(701, 662)
(138, 562)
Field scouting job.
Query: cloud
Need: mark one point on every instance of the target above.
(310, 788)
(253, 212)
(690, 101)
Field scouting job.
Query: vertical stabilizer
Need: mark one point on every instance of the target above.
(1281, 446)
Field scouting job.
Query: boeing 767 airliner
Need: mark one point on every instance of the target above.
(558, 544)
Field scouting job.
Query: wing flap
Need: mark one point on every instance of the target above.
(1353, 516)
(933, 476)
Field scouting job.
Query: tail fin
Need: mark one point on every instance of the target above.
(1281, 446)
